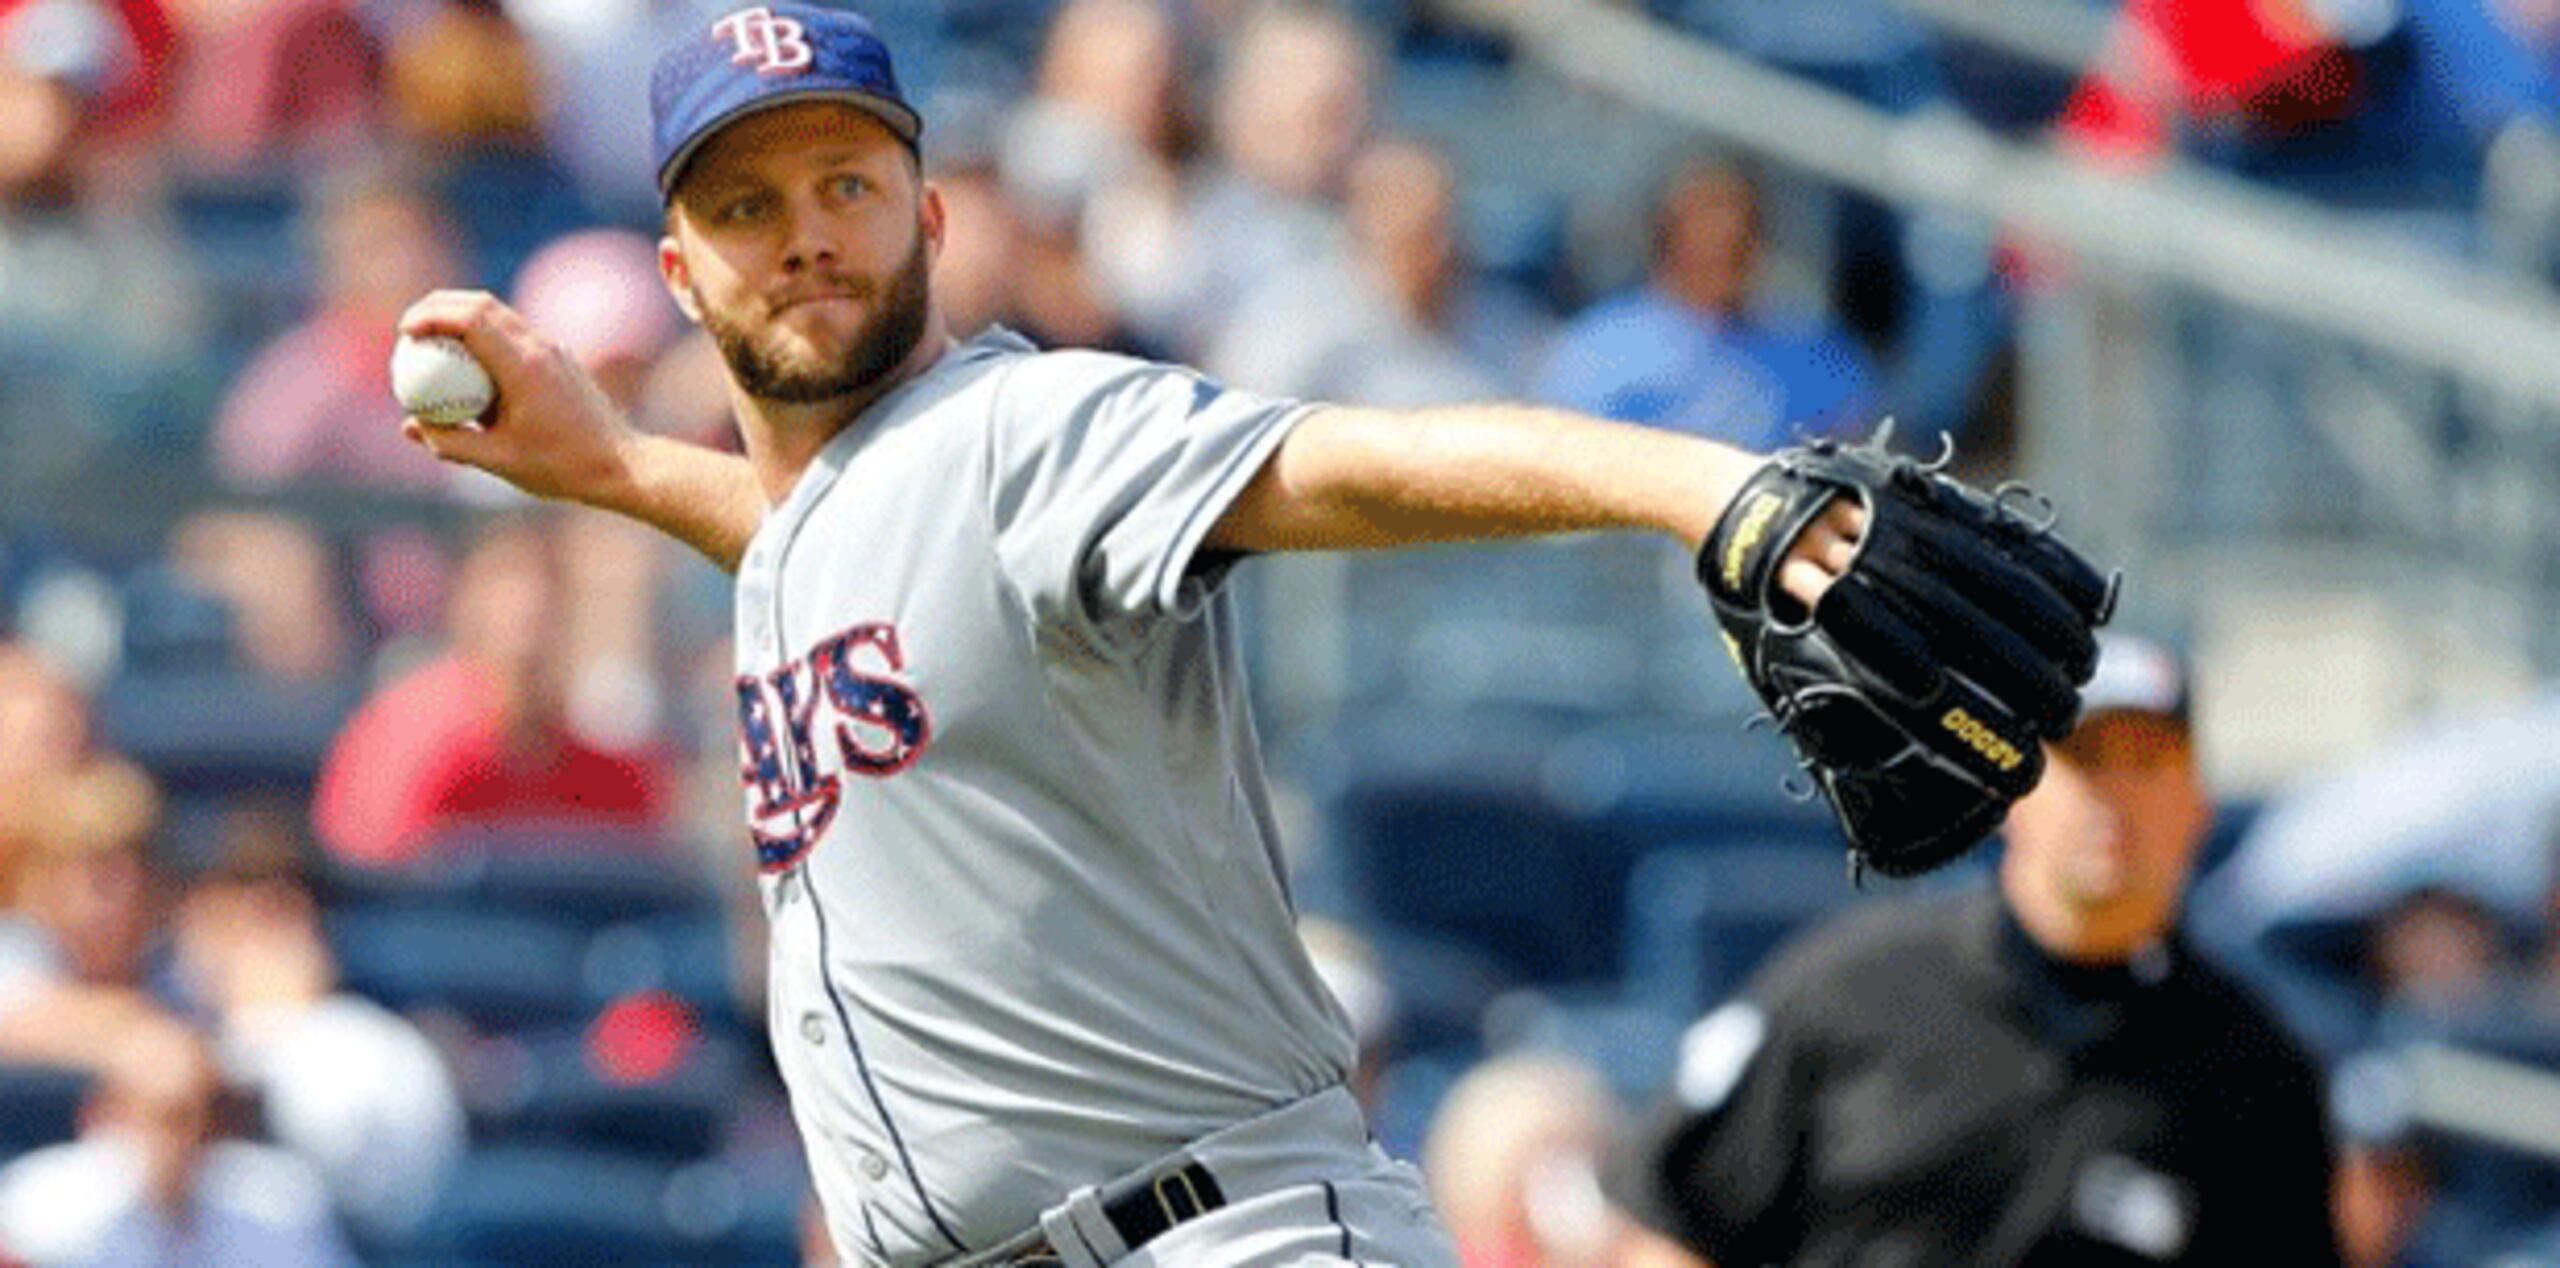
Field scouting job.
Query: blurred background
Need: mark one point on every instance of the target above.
(369, 855)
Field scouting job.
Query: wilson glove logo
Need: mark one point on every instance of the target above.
(1747, 536)
(1982, 739)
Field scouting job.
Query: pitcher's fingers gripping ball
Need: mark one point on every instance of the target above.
(1920, 687)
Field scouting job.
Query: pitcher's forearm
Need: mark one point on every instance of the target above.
(702, 497)
(1351, 478)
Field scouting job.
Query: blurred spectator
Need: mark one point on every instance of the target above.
(1511, 1163)
(2437, 958)
(460, 76)
(481, 736)
(2121, 1101)
(1088, 155)
(315, 405)
(465, 93)
(110, 58)
(150, 1182)
(44, 736)
(99, 305)
(2271, 66)
(601, 135)
(84, 908)
(2392, 106)
(1116, 63)
(1292, 108)
(687, 395)
(1396, 322)
(351, 1087)
(973, 277)
(1095, 154)
(281, 585)
(612, 571)
(2384, 1195)
(2499, 59)
(1056, 298)
(1693, 349)
(598, 294)
(269, 82)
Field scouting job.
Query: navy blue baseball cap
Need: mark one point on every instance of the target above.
(762, 56)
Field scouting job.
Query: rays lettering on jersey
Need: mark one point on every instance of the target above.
(877, 722)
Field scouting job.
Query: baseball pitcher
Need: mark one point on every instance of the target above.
(1035, 986)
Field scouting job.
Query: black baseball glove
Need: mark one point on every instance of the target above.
(1919, 689)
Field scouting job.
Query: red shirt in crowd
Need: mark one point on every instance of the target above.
(433, 752)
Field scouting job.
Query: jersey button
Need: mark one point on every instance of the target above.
(814, 1029)
(873, 1168)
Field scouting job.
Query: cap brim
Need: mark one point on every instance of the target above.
(900, 120)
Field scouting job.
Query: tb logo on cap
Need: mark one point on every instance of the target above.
(770, 44)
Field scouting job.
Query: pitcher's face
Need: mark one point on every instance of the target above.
(802, 238)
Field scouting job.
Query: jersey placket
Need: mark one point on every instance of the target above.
(762, 587)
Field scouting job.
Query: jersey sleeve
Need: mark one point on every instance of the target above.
(1718, 1164)
(1107, 474)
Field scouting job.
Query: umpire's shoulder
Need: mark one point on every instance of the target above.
(2249, 1025)
(1880, 948)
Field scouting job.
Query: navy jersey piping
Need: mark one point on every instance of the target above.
(818, 911)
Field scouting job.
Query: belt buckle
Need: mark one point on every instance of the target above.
(1179, 1183)
(1038, 1254)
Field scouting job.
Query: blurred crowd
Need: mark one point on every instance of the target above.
(275, 688)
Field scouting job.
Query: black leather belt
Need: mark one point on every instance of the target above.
(1145, 1212)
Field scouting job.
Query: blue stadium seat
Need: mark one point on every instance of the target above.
(246, 236)
(1490, 868)
(172, 625)
(1655, 784)
(39, 1106)
(685, 956)
(219, 730)
(1702, 918)
(548, 1205)
(1410, 1091)
(1440, 987)
(740, 1210)
(584, 881)
(562, 1097)
(501, 970)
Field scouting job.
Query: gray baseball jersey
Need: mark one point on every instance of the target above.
(1029, 927)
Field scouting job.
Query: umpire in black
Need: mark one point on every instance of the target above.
(2040, 1074)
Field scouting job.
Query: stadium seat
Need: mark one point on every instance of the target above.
(1486, 867)
(740, 1210)
(1655, 784)
(1701, 918)
(575, 880)
(564, 1095)
(1410, 1091)
(39, 1106)
(687, 957)
(501, 970)
(548, 1205)
(218, 730)
(171, 625)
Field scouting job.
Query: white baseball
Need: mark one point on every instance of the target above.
(437, 380)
